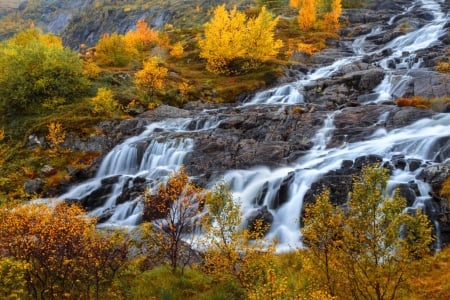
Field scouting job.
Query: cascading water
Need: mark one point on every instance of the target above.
(415, 141)
(396, 65)
(162, 147)
(151, 156)
(404, 48)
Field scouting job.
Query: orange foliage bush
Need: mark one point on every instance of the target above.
(65, 255)
(142, 38)
(307, 48)
(445, 190)
(415, 101)
(432, 281)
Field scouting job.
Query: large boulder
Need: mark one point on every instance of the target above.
(435, 175)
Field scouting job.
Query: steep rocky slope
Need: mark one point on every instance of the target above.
(331, 114)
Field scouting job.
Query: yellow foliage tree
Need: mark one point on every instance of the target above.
(230, 36)
(55, 137)
(432, 278)
(177, 50)
(90, 69)
(151, 78)
(112, 50)
(331, 19)
(366, 251)
(237, 255)
(294, 3)
(25, 37)
(259, 41)
(445, 190)
(104, 102)
(173, 209)
(223, 39)
(307, 14)
(12, 278)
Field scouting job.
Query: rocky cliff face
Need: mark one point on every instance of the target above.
(85, 21)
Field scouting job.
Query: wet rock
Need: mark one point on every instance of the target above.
(406, 115)
(364, 80)
(259, 199)
(98, 196)
(441, 150)
(408, 193)
(338, 185)
(399, 161)
(133, 188)
(105, 215)
(35, 141)
(33, 186)
(283, 192)
(165, 111)
(430, 84)
(435, 175)
(48, 171)
(367, 160)
(414, 164)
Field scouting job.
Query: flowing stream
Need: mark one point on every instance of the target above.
(161, 148)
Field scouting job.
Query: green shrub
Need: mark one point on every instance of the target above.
(35, 70)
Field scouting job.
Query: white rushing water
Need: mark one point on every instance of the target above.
(161, 148)
(150, 155)
(403, 59)
(415, 141)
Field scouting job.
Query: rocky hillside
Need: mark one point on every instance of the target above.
(85, 21)
(342, 117)
(339, 114)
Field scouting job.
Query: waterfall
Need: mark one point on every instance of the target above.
(151, 156)
(162, 147)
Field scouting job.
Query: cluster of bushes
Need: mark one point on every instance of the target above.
(55, 252)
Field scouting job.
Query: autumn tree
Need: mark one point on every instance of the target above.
(322, 232)
(113, 50)
(55, 137)
(151, 78)
(104, 102)
(141, 39)
(259, 41)
(60, 249)
(223, 40)
(230, 37)
(37, 73)
(307, 14)
(431, 279)
(174, 210)
(177, 50)
(331, 18)
(12, 278)
(294, 3)
(236, 254)
(365, 251)
(445, 190)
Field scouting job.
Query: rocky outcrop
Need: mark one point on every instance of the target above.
(435, 175)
